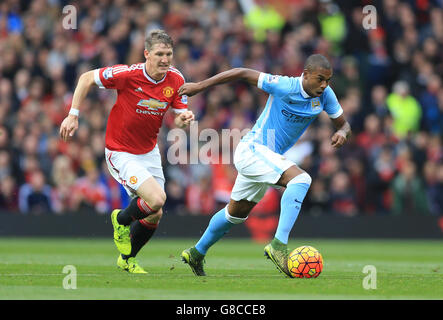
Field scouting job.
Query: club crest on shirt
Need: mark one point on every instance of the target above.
(133, 180)
(315, 103)
(168, 92)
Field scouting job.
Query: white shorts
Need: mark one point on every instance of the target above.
(131, 170)
(258, 168)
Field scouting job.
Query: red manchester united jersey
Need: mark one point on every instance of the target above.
(136, 117)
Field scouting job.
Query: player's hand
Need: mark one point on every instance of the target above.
(189, 89)
(184, 119)
(68, 127)
(338, 139)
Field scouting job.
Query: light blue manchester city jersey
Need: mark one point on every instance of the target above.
(288, 112)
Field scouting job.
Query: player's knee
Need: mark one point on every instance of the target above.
(157, 201)
(162, 198)
(155, 218)
(301, 178)
(236, 217)
(159, 214)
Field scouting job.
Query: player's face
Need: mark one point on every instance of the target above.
(158, 60)
(316, 81)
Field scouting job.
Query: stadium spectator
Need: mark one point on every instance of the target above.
(35, 197)
(380, 175)
(8, 194)
(352, 105)
(429, 100)
(409, 195)
(343, 200)
(5, 164)
(358, 182)
(371, 139)
(433, 178)
(333, 24)
(89, 192)
(317, 199)
(200, 198)
(261, 17)
(378, 101)
(176, 203)
(63, 178)
(404, 108)
(348, 77)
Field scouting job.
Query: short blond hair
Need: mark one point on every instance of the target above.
(157, 36)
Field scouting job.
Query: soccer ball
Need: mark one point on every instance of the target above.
(305, 262)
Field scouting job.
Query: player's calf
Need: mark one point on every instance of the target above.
(219, 225)
(137, 209)
(291, 203)
(141, 231)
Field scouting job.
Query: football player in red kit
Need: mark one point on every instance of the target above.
(145, 92)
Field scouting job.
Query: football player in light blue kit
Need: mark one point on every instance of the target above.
(293, 104)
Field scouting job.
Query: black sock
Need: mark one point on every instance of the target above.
(131, 213)
(141, 232)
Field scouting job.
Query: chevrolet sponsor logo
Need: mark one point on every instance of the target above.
(152, 104)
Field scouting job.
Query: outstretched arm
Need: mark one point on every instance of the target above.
(343, 131)
(231, 75)
(70, 123)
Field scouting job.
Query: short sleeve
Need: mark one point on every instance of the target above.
(111, 77)
(179, 103)
(276, 85)
(331, 104)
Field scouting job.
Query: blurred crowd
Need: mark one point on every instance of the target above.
(388, 81)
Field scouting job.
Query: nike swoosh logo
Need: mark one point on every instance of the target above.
(297, 201)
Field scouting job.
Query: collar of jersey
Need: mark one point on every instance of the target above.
(149, 78)
(303, 92)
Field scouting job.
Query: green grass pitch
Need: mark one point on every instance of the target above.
(32, 268)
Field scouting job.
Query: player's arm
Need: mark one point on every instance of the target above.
(343, 131)
(70, 123)
(236, 74)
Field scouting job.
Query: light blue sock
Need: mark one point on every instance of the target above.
(216, 229)
(291, 202)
